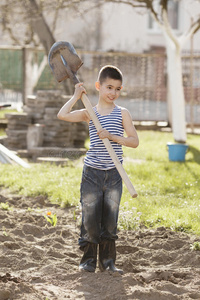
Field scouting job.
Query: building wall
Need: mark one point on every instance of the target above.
(119, 27)
(127, 29)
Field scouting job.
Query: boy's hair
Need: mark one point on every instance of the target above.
(109, 71)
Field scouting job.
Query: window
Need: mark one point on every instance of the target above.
(173, 12)
(173, 16)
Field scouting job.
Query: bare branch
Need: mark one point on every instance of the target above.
(39, 24)
(164, 4)
(145, 4)
(168, 29)
(12, 36)
(133, 3)
(195, 26)
(29, 35)
(55, 19)
(155, 15)
(6, 21)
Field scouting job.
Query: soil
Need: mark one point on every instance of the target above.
(40, 261)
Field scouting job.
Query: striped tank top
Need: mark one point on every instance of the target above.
(97, 156)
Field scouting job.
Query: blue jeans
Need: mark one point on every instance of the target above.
(100, 199)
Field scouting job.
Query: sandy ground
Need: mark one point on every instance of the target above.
(39, 261)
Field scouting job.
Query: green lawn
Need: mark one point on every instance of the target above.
(2, 132)
(5, 111)
(168, 192)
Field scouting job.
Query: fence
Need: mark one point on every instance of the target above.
(144, 87)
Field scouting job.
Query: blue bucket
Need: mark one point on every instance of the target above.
(177, 151)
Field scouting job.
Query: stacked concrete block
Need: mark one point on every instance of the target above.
(41, 110)
(44, 108)
(17, 130)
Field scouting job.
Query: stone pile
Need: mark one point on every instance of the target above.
(39, 128)
(43, 109)
(17, 130)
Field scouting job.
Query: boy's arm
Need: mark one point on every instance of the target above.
(65, 113)
(131, 140)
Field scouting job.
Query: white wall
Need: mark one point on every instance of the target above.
(125, 29)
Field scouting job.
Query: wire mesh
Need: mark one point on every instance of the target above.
(144, 84)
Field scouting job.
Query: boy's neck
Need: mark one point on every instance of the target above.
(105, 108)
(105, 105)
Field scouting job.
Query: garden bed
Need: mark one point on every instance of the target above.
(40, 261)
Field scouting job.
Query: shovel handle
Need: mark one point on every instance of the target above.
(109, 147)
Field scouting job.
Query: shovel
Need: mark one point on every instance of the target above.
(64, 63)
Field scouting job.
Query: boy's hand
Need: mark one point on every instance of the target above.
(103, 134)
(79, 89)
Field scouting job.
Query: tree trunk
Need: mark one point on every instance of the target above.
(176, 93)
(31, 71)
(40, 26)
(27, 73)
(169, 104)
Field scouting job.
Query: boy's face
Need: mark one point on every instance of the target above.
(109, 89)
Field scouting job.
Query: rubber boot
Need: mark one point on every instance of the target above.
(107, 256)
(89, 259)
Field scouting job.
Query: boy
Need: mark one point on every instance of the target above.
(101, 186)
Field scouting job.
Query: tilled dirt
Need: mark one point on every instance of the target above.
(40, 262)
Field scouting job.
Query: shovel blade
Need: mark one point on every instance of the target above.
(69, 53)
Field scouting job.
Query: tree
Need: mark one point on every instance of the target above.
(174, 45)
(25, 23)
(36, 31)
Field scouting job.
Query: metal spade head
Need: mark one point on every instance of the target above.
(65, 50)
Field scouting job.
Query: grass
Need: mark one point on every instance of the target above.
(168, 191)
(6, 111)
(59, 184)
(2, 132)
(2, 116)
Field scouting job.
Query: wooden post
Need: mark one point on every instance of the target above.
(24, 78)
(191, 83)
(27, 73)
